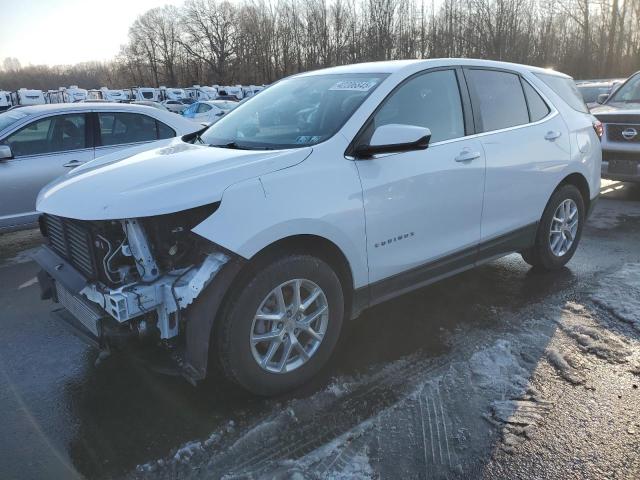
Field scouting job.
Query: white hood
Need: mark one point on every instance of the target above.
(163, 180)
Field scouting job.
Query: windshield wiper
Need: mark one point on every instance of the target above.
(236, 146)
(232, 145)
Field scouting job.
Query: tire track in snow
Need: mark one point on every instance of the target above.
(383, 390)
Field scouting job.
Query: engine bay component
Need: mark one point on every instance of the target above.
(165, 296)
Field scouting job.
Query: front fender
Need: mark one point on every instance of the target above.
(253, 215)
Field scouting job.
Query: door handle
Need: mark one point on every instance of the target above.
(467, 156)
(551, 135)
(72, 163)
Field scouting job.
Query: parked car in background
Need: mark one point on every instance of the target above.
(620, 117)
(25, 96)
(5, 100)
(251, 243)
(172, 94)
(150, 103)
(175, 106)
(209, 112)
(40, 143)
(108, 95)
(592, 90)
(201, 93)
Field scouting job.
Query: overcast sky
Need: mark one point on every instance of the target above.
(58, 32)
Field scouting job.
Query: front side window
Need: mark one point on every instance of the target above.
(118, 128)
(500, 99)
(295, 112)
(628, 92)
(60, 133)
(429, 100)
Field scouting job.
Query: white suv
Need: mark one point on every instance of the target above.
(251, 243)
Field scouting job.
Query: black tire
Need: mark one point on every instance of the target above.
(232, 333)
(540, 254)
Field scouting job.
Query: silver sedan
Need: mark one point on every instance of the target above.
(41, 142)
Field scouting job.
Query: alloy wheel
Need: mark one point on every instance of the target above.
(289, 326)
(564, 227)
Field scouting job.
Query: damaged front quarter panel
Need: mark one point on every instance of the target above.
(144, 273)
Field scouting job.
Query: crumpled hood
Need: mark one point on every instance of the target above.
(174, 177)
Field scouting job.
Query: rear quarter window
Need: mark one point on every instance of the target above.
(538, 109)
(566, 89)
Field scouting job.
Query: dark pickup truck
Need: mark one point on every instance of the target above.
(620, 116)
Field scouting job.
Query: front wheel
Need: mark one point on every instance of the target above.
(282, 325)
(559, 230)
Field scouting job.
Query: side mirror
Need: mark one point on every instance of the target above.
(602, 98)
(219, 114)
(394, 138)
(5, 152)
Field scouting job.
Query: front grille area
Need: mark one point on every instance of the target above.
(608, 156)
(614, 132)
(73, 241)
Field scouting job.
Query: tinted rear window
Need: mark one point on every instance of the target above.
(502, 103)
(565, 89)
(538, 109)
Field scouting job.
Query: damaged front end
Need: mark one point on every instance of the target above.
(132, 278)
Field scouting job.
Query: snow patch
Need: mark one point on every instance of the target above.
(339, 389)
(497, 368)
(619, 293)
(563, 367)
(519, 417)
(359, 466)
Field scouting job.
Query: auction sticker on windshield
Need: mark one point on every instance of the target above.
(355, 85)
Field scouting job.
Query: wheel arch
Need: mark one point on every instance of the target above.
(579, 181)
(315, 245)
(204, 315)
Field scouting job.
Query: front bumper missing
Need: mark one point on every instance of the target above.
(165, 296)
(85, 314)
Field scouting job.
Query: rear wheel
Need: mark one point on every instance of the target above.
(559, 230)
(282, 325)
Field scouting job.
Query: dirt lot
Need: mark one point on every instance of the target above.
(500, 372)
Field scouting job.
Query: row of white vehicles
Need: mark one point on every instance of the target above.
(74, 94)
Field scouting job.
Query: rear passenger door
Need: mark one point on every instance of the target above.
(118, 130)
(526, 143)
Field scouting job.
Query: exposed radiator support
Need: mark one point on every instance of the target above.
(139, 245)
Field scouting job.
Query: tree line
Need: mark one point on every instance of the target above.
(258, 41)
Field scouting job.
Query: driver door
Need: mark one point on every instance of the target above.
(42, 151)
(423, 208)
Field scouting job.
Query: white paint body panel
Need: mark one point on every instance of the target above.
(426, 195)
(162, 180)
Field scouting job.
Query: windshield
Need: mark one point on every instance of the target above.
(10, 117)
(295, 112)
(629, 92)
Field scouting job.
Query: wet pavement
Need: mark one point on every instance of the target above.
(500, 372)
